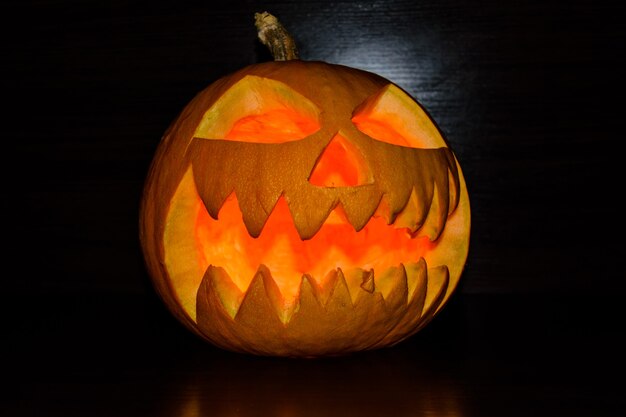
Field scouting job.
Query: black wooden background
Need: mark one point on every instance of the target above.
(530, 97)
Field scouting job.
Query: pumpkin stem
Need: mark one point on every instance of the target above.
(274, 35)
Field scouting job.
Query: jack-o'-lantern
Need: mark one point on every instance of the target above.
(304, 209)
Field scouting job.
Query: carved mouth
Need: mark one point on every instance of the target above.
(367, 259)
(327, 319)
(336, 245)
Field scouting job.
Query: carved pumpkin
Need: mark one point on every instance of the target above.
(304, 209)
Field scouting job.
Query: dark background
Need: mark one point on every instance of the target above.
(529, 95)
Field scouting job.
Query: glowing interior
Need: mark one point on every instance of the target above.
(379, 129)
(340, 165)
(261, 110)
(225, 242)
(273, 126)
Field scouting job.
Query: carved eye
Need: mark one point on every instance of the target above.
(392, 116)
(260, 110)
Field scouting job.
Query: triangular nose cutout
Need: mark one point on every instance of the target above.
(341, 164)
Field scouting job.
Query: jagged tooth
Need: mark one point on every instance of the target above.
(436, 218)
(454, 182)
(417, 277)
(414, 319)
(442, 192)
(398, 200)
(310, 213)
(212, 193)
(283, 310)
(392, 283)
(256, 302)
(383, 210)
(339, 297)
(210, 309)
(357, 280)
(412, 215)
(326, 287)
(310, 292)
(256, 207)
(368, 281)
(309, 319)
(436, 289)
(205, 156)
(360, 206)
(392, 286)
(353, 278)
(221, 286)
(454, 191)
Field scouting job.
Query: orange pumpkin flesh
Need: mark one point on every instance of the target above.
(304, 209)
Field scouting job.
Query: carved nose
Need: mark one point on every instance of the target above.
(341, 164)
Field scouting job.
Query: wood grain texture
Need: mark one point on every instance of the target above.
(548, 360)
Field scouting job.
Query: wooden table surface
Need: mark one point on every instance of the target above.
(484, 356)
(529, 95)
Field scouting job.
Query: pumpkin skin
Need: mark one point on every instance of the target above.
(304, 209)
